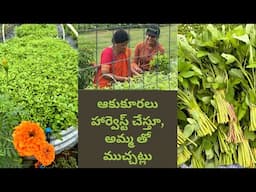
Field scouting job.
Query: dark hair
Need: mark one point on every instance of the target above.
(153, 30)
(120, 36)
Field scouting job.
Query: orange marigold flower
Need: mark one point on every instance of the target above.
(27, 137)
(27, 149)
(46, 153)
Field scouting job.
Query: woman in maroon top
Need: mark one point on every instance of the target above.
(144, 51)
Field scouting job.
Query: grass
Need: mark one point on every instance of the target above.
(102, 39)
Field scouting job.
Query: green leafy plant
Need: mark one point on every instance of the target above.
(161, 62)
(10, 116)
(37, 30)
(67, 159)
(42, 78)
(86, 59)
(150, 81)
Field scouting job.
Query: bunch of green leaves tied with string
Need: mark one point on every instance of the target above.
(183, 153)
(216, 96)
(203, 125)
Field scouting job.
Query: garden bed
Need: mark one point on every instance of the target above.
(38, 81)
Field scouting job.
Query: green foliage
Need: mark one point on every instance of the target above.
(146, 81)
(37, 30)
(10, 116)
(43, 79)
(62, 162)
(150, 81)
(86, 59)
(189, 29)
(67, 159)
(198, 28)
(161, 62)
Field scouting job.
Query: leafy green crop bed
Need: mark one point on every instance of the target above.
(150, 81)
(41, 77)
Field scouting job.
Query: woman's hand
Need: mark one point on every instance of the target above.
(135, 69)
